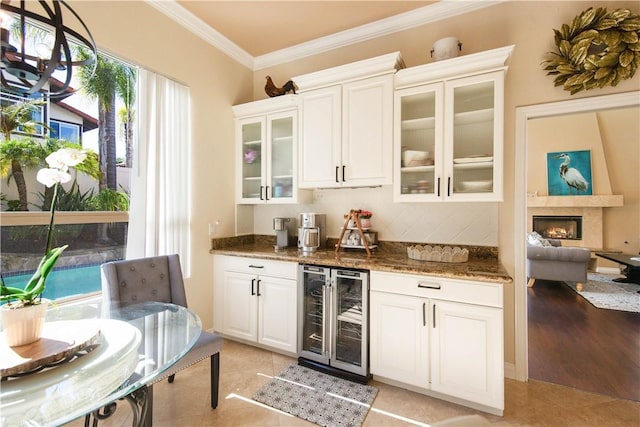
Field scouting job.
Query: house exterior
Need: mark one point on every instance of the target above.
(147, 37)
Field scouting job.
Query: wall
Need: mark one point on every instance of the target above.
(136, 32)
(614, 140)
(526, 24)
(144, 36)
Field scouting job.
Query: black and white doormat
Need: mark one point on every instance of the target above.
(316, 397)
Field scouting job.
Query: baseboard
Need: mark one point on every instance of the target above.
(608, 270)
(510, 370)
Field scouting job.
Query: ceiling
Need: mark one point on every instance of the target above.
(262, 27)
(261, 34)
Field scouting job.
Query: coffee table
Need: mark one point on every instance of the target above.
(632, 272)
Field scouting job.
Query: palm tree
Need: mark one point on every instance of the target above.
(23, 152)
(125, 88)
(101, 86)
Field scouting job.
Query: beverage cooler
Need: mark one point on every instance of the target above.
(333, 321)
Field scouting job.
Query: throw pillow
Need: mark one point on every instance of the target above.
(535, 239)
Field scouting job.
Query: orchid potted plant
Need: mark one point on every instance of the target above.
(19, 328)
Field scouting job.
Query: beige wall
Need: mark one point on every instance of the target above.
(527, 25)
(135, 31)
(613, 137)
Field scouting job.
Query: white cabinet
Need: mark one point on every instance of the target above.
(266, 151)
(399, 345)
(439, 336)
(346, 124)
(347, 134)
(448, 129)
(466, 352)
(256, 301)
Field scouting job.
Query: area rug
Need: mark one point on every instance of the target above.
(602, 292)
(316, 397)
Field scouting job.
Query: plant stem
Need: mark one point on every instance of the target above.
(51, 215)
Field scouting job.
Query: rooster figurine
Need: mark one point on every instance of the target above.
(272, 90)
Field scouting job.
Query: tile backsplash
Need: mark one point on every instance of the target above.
(444, 223)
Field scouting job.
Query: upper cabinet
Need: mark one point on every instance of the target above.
(448, 129)
(346, 135)
(266, 151)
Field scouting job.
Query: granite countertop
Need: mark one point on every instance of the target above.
(483, 263)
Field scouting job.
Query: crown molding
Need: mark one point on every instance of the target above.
(404, 21)
(198, 27)
(415, 18)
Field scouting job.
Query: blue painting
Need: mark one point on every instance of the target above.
(569, 173)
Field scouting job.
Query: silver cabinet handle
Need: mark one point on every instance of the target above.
(424, 314)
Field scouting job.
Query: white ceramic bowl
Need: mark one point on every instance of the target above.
(415, 158)
(476, 185)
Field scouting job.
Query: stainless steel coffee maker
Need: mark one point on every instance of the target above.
(312, 233)
(284, 228)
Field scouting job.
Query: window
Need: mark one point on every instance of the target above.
(38, 114)
(63, 130)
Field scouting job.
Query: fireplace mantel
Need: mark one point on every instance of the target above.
(603, 201)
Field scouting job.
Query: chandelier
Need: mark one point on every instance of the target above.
(46, 48)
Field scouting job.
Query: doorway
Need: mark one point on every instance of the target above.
(523, 115)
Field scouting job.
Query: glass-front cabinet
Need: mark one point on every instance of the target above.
(266, 149)
(419, 143)
(448, 130)
(474, 120)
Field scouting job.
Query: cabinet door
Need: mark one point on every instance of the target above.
(281, 157)
(399, 338)
(467, 352)
(277, 313)
(240, 306)
(418, 143)
(321, 125)
(250, 152)
(474, 137)
(367, 132)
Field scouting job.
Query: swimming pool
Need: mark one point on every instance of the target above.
(63, 282)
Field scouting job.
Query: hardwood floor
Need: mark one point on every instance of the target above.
(575, 344)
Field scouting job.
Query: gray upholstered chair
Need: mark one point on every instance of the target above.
(160, 279)
(558, 263)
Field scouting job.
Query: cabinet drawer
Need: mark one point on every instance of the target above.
(260, 267)
(479, 293)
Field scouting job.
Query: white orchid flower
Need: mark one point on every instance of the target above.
(65, 158)
(51, 176)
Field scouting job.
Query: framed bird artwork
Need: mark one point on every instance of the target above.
(569, 173)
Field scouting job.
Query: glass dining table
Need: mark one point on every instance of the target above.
(134, 345)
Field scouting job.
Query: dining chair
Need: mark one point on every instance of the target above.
(160, 279)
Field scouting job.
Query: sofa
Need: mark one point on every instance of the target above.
(547, 259)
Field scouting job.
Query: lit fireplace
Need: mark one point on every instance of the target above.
(558, 227)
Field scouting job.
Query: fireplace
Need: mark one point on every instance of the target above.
(558, 227)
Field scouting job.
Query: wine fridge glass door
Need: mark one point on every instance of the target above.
(314, 344)
(350, 321)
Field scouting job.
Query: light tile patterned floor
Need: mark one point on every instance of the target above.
(186, 401)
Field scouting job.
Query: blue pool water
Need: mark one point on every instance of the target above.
(63, 282)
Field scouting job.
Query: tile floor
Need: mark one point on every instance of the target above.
(186, 401)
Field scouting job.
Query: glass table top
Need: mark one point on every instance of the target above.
(137, 344)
